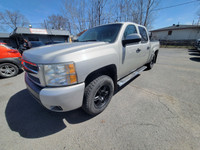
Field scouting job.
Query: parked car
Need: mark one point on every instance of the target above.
(10, 61)
(85, 74)
(36, 43)
(197, 44)
(29, 45)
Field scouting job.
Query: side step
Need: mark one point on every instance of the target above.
(131, 76)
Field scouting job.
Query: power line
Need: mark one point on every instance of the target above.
(176, 5)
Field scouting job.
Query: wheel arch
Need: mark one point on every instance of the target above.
(110, 70)
(156, 55)
(2, 61)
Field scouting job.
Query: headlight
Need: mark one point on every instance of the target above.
(60, 74)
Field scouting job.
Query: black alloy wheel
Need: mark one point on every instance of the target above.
(102, 96)
(98, 94)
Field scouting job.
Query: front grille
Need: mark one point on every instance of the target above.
(34, 68)
(30, 67)
(33, 71)
(34, 89)
(34, 79)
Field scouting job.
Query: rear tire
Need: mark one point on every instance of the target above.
(98, 94)
(8, 70)
(150, 64)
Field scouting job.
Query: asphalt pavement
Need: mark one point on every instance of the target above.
(158, 110)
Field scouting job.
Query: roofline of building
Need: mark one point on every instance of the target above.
(175, 28)
(13, 34)
(49, 32)
(4, 35)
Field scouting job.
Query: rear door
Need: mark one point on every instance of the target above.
(144, 46)
(130, 59)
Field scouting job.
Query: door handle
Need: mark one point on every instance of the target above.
(138, 50)
(148, 48)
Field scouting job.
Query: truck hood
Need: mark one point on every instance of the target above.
(46, 54)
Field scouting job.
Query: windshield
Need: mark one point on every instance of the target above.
(106, 33)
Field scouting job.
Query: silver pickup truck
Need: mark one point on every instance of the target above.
(86, 73)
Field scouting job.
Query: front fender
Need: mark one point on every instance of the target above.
(95, 61)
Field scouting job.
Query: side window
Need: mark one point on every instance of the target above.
(130, 29)
(143, 34)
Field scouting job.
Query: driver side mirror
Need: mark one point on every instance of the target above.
(131, 38)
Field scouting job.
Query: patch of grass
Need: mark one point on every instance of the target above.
(175, 46)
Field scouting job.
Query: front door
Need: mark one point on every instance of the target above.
(130, 54)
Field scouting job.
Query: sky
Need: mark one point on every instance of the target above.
(184, 14)
(38, 10)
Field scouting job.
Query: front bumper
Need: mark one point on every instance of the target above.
(59, 99)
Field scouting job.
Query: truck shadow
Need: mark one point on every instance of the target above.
(197, 59)
(194, 53)
(192, 50)
(31, 120)
(123, 86)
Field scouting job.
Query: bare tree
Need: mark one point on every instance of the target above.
(95, 13)
(144, 11)
(86, 14)
(138, 11)
(13, 19)
(99, 7)
(1, 23)
(198, 17)
(55, 22)
(76, 12)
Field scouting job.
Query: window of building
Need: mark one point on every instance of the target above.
(169, 32)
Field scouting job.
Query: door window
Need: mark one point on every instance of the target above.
(130, 29)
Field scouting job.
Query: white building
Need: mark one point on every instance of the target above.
(177, 33)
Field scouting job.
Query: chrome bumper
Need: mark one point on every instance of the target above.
(57, 99)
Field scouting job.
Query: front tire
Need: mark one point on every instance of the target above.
(98, 94)
(8, 70)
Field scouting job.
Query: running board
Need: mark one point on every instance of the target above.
(131, 76)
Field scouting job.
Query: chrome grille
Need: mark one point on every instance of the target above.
(30, 67)
(35, 79)
(34, 72)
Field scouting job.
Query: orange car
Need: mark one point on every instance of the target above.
(10, 61)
